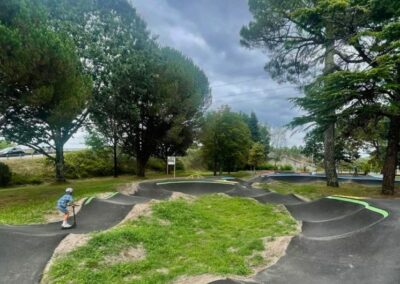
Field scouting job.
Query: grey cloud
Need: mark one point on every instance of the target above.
(208, 32)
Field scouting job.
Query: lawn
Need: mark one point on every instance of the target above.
(29, 204)
(213, 234)
(315, 190)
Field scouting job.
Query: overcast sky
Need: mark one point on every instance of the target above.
(208, 32)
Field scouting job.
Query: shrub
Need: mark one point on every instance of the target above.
(286, 168)
(88, 163)
(127, 164)
(156, 164)
(5, 174)
(267, 167)
(22, 179)
(159, 165)
(180, 166)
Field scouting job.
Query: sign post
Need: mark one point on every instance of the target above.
(171, 161)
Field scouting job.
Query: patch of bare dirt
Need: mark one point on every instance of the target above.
(274, 249)
(130, 254)
(198, 279)
(139, 210)
(129, 188)
(179, 195)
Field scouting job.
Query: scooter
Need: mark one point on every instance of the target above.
(73, 212)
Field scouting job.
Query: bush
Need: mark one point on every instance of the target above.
(286, 168)
(180, 166)
(5, 174)
(267, 167)
(127, 164)
(159, 165)
(156, 164)
(88, 163)
(22, 179)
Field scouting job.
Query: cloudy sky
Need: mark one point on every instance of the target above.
(208, 32)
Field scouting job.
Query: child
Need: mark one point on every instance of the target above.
(62, 204)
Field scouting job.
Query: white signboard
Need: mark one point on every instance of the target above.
(171, 161)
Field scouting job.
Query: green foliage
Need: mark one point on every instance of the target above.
(44, 92)
(5, 174)
(99, 163)
(226, 140)
(24, 179)
(179, 239)
(346, 148)
(88, 163)
(193, 159)
(363, 166)
(256, 154)
(267, 167)
(95, 141)
(156, 164)
(259, 132)
(5, 144)
(286, 168)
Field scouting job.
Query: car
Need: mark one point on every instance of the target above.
(12, 152)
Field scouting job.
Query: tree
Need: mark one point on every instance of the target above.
(346, 147)
(259, 132)
(301, 47)
(254, 127)
(104, 32)
(5, 144)
(369, 86)
(186, 88)
(225, 140)
(162, 96)
(256, 155)
(278, 142)
(265, 138)
(43, 87)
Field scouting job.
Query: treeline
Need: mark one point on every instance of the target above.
(232, 141)
(69, 64)
(346, 56)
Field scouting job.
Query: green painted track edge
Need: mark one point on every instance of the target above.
(112, 194)
(88, 200)
(384, 213)
(205, 182)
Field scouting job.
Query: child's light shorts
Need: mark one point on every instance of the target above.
(63, 210)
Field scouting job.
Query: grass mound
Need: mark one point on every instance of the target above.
(212, 234)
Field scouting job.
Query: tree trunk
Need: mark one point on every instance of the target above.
(115, 158)
(141, 162)
(390, 164)
(59, 162)
(215, 166)
(329, 157)
(329, 134)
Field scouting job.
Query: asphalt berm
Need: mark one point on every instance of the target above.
(301, 178)
(342, 240)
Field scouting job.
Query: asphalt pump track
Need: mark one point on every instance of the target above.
(304, 178)
(342, 240)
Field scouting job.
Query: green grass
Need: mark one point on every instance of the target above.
(213, 234)
(317, 190)
(30, 204)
